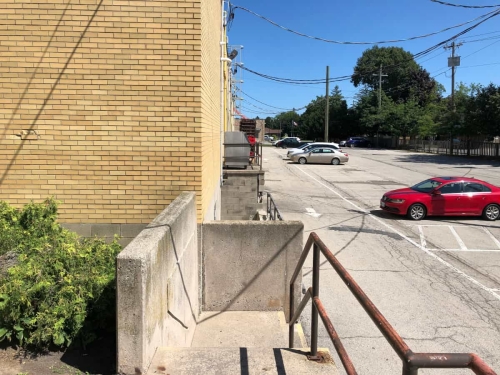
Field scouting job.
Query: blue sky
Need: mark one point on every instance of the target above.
(276, 52)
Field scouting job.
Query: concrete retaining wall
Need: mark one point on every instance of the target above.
(240, 194)
(247, 265)
(157, 287)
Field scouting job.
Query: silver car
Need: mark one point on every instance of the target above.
(321, 156)
(310, 146)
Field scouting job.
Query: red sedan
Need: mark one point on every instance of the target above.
(445, 196)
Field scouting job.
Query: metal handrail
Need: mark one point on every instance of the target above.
(272, 210)
(412, 362)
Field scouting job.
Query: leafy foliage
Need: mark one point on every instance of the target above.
(413, 104)
(62, 289)
(399, 67)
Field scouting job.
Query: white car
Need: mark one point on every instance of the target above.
(276, 141)
(310, 146)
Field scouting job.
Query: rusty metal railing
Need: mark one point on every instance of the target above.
(412, 362)
(273, 212)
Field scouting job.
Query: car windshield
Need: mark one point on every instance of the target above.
(426, 186)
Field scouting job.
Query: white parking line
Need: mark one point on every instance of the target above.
(457, 237)
(312, 212)
(467, 250)
(423, 243)
(432, 254)
(492, 237)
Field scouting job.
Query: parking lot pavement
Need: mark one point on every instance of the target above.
(437, 280)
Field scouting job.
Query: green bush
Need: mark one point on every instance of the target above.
(62, 289)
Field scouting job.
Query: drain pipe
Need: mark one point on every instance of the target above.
(223, 60)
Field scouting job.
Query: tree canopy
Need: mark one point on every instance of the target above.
(412, 104)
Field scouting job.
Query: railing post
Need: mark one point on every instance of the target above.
(314, 311)
(261, 157)
(291, 325)
(407, 370)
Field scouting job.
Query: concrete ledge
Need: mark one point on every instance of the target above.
(157, 287)
(247, 265)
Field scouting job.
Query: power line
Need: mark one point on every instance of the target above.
(267, 109)
(465, 6)
(479, 50)
(480, 40)
(475, 35)
(475, 66)
(345, 78)
(284, 109)
(259, 112)
(361, 43)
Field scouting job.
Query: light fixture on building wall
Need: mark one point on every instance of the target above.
(233, 54)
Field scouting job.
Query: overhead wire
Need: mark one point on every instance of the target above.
(364, 43)
(348, 77)
(244, 93)
(465, 6)
(404, 86)
(480, 40)
(479, 50)
(483, 34)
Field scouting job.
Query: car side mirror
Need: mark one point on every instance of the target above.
(436, 192)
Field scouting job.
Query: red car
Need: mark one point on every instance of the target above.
(445, 196)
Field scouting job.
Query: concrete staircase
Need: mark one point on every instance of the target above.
(241, 342)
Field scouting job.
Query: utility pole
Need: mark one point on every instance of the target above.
(327, 109)
(453, 62)
(380, 75)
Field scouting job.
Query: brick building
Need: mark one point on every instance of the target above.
(112, 107)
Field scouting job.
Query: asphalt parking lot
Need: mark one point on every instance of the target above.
(436, 280)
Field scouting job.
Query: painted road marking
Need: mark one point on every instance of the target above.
(418, 246)
(492, 237)
(457, 237)
(460, 242)
(422, 237)
(466, 250)
(312, 212)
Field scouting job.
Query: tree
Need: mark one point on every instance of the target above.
(372, 121)
(405, 118)
(271, 123)
(337, 120)
(285, 122)
(397, 63)
(422, 87)
(483, 111)
(313, 119)
(405, 79)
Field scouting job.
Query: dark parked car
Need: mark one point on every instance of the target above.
(358, 142)
(291, 142)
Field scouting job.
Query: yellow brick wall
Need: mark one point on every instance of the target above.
(118, 93)
(210, 99)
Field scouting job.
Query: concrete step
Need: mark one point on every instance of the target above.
(245, 329)
(242, 360)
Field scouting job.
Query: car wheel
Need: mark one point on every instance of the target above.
(417, 211)
(491, 212)
(335, 161)
(302, 160)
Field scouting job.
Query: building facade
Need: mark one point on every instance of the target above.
(112, 107)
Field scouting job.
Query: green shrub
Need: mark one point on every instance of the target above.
(62, 289)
